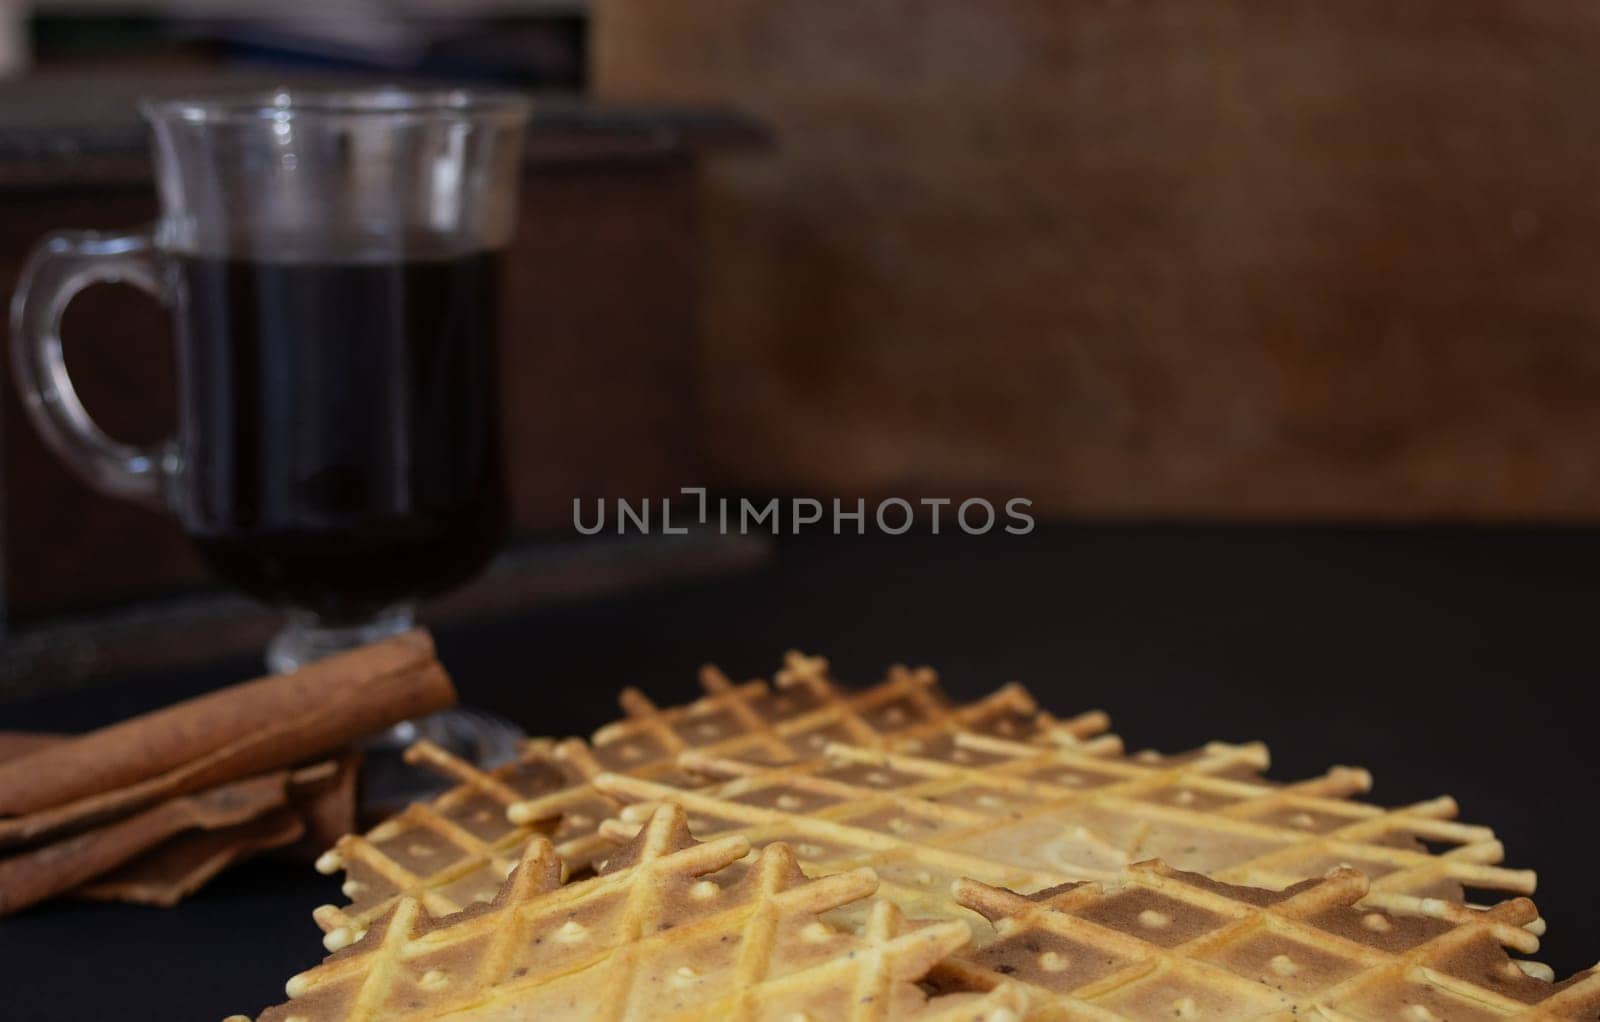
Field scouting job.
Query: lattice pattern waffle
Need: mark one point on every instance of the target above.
(454, 851)
(1029, 817)
(651, 937)
(1170, 945)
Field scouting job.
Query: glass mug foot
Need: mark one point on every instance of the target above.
(305, 638)
(388, 782)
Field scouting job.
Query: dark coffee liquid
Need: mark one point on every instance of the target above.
(339, 423)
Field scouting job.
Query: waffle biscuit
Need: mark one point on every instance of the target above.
(1028, 817)
(453, 851)
(1171, 945)
(654, 935)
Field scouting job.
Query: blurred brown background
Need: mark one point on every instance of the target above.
(1237, 258)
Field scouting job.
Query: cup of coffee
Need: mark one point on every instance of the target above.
(332, 261)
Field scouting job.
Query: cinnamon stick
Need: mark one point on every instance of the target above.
(172, 872)
(20, 743)
(326, 803)
(321, 795)
(42, 873)
(250, 728)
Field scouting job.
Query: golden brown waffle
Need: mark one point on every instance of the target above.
(654, 936)
(1030, 817)
(453, 851)
(1170, 945)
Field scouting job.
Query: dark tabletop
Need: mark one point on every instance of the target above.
(1445, 661)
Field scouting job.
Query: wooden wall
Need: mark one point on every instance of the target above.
(1234, 257)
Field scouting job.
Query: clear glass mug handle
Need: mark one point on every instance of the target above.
(60, 265)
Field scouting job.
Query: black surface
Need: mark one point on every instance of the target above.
(1446, 661)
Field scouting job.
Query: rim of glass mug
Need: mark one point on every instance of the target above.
(389, 102)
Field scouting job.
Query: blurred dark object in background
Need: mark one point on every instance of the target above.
(530, 53)
(1163, 258)
(531, 44)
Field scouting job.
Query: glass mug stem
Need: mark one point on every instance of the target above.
(61, 265)
(307, 637)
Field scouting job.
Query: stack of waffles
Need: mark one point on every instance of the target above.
(798, 850)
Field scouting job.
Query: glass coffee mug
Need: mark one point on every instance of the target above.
(332, 263)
